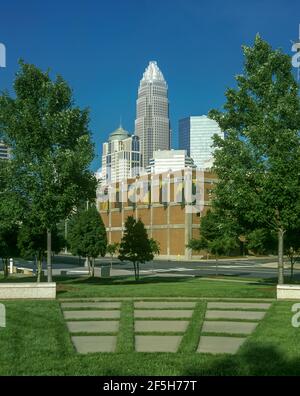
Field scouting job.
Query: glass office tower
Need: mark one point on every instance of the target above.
(196, 137)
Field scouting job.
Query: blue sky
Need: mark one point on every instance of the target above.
(101, 47)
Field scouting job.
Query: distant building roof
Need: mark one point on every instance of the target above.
(153, 73)
(119, 134)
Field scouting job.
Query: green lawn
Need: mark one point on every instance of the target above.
(36, 340)
(155, 287)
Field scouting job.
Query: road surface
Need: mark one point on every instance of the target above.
(253, 267)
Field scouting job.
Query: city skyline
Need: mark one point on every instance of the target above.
(149, 192)
(101, 54)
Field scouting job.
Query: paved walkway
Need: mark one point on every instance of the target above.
(159, 325)
(227, 325)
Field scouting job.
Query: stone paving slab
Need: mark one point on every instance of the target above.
(164, 304)
(87, 344)
(161, 325)
(93, 326)
(91, 305)
(210, 344)
(244, 305)
(92, 314)
(210, 326)
(157, 343)
(163, 313)
(250, 315)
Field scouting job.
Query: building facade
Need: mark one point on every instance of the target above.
(152, 124)
(196, 137)
(121, 156)
(163, 204)
(169, 160)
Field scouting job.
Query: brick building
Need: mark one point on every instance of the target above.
(169, 204)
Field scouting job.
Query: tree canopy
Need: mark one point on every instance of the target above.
(51, 148)
(32, 243)
(217, 235)
(258, 163)
(135, 245)
(87, 235)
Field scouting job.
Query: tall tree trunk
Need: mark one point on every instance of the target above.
(292, 267)
(138, 271)
(49, 262)
(280, 257)
(66, 235)
(134, 266)
(93, 267)
(38, 267)
(5, 267)
(89, 264)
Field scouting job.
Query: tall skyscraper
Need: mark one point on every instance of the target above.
(152, 124)
(120, 157)
(196, 137)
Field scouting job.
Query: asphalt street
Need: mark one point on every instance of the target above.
(252, 267)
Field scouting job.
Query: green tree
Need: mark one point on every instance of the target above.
(261, 241)
(292, 247)
(51, 149)
(112, 249)
(155, 246)
(87, 235)
(9, 214)
(8, 245)
(258, 162)
(135, 245)
(216, 236)
(32, 243)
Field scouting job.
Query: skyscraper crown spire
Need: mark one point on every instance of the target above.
(152, 124)
(153, 73)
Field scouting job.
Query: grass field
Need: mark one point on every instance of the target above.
(155, 287)
(36, 340)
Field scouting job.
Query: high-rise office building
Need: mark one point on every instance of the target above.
(152, 124)
(169, 161)
(4, 151)
(196, 137)
(121, 156)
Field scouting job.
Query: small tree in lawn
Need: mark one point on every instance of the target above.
(87, 236)
(155, 246)
(112, 249)
(32, 243)
(135, 245)
(216, 236)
